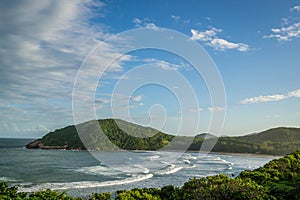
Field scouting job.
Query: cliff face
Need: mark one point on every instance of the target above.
(37, 144)
(34, 144)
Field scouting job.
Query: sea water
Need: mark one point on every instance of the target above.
(81, 173)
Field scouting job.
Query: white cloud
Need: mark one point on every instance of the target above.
(137, 21)
(212, 109)
(272, 116)
(175, 17)
(295, 93)
(195, 110)
(289, 30)
(206, 35)
(274, 97)
(287, 33)
(137, 98)
(221, 44)
(42, 46)
(295, 8)
(151, 25)
(147, 23)
(164, 65)
(266, 98)
(209, 37)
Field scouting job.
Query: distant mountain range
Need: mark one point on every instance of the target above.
(116, 134)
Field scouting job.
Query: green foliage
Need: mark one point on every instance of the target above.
(10, 192)
(50, 195)
(108, 134)
(100, 196)
(222, 187)
(278, 179)
(277, 141)
(114, 134)
(139, 194)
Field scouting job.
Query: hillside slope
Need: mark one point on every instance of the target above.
(106, 134)
(115, 134)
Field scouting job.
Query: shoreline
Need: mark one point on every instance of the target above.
(249, 155)
(145, 151)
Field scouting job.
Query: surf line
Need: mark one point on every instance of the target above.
(82, 184)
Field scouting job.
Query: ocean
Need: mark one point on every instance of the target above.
(80, 173)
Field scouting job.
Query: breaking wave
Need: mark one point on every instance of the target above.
(81, 184)
(170, 169)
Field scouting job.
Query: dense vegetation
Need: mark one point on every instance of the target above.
(117, 134)
(278, 179)
(277, 141)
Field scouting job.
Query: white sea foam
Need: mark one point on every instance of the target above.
(189, 157)
(187, 161)
(81, 184)
(227, 162)
(170, 169)
(114, 170)
(8, 179)
(214, 160)
(96, 170)
(155, 157)
(132, 169)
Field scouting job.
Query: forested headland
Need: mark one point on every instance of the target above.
(115, 134)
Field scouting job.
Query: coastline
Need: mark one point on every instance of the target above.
(249, 155)
(38, 145)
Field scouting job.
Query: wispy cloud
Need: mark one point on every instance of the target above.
(175, 17)
(196, 110)
(137, 98)
(212, 109)
(295, 8)
(210, 38)
(42, 46)
(289, 30)
(286, 33)
(222, 44)
(295, 93)
(164, 65)
(206, 35)
(273, 97)
(147, 23)
(272, 116)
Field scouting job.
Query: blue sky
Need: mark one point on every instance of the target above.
(255, 46)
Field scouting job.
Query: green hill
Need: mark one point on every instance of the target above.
(282, 134)
(114, 134)
(278, 141)
(105, 134)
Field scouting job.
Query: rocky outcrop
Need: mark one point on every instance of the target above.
(37, 144)
(34, 144)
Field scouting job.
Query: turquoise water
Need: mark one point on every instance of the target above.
(79, 173)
